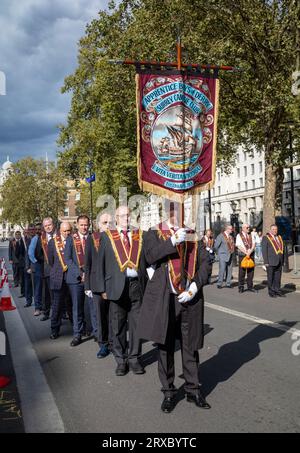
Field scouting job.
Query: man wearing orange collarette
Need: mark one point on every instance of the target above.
(121, 277)
(273, 254)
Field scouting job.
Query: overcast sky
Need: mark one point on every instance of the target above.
(38, 49)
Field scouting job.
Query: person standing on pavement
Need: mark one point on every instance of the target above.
(12, 256)
(246, 246)
(74, 257)
(173, 305)
(258, 247)
(37, 270)
(58, 269)
(208, 242)
(90, 284)
(41, 254)
(20, 254)
(224, 246)
(28, 285)
(121, 280)
(273, 255)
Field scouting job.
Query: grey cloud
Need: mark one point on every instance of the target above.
(38, 49)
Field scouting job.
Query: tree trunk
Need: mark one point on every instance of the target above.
(273, 192)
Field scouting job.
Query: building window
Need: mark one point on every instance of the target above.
(219, 190)
(238, 173)
(66, 212)
(261, 182)
(253, 183)
(260, 167)
(246, 185)
(245, 155)
(246, 217)
(298, 173)
(238, 158)
(287, 194)
(239, 187)
(219, 176)
(252, 169)
(77, 196)
(245, 171)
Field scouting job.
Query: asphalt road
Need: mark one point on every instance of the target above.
(248, 373)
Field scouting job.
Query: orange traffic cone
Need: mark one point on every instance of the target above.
(4, 381)
(5, 298)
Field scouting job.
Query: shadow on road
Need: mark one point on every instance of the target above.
(232, 356)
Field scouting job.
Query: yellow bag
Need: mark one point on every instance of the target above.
(247, 263)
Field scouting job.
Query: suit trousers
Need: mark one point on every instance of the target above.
(28, 287)
(124, 310)
(38, 286)
(103, 320)
(177, 328)
(47, 296)
(16, 275)
(77, 296)
(21, 280)
(90, 315)
(58, 302)
(274, 278)
(225, 268)
(242, 274)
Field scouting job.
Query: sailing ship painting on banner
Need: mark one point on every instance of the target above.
(177, 126)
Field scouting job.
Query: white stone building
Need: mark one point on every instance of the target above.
(241, 193)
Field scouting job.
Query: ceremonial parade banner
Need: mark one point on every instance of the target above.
(177, 130)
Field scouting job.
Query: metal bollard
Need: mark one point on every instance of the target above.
(286, 258)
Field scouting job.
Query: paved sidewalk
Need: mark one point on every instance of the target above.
(289, 280)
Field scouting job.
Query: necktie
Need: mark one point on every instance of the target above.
(126, 241)
(83, 243)
(277, 241)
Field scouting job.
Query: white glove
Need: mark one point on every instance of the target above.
(186, 296)
(88, 293)
(179, 236)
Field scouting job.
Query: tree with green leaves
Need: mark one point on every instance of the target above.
(258, 36)
(33, 190)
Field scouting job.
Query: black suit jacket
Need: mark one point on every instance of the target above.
(12, 251)
(56, 271)
(90, 264)
(269, 255)
(20, 252)
(154, 315)
(110, 279)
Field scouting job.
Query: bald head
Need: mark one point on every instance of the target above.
(104, 222)
(65, 229)
(123, 217)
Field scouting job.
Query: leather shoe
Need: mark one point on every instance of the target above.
(44, 318)
(280, 295)
(103, 352)
(122, 369)
(27, 305)
(75, 342)
(252, 290)
(136, 368)
(54, 336)
(168, 404)
(241, 290)
(273, 295)
(198, 399)
(219, 286)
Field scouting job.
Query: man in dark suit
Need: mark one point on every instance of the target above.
(90, 285)
(58, 269)
(121, 281)
(41, 253)
(28, 235)
(13, 259)
(74, 257)
(273, 255)
(20, 255)
(173, 305)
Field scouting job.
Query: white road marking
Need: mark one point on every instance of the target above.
(254, 319)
